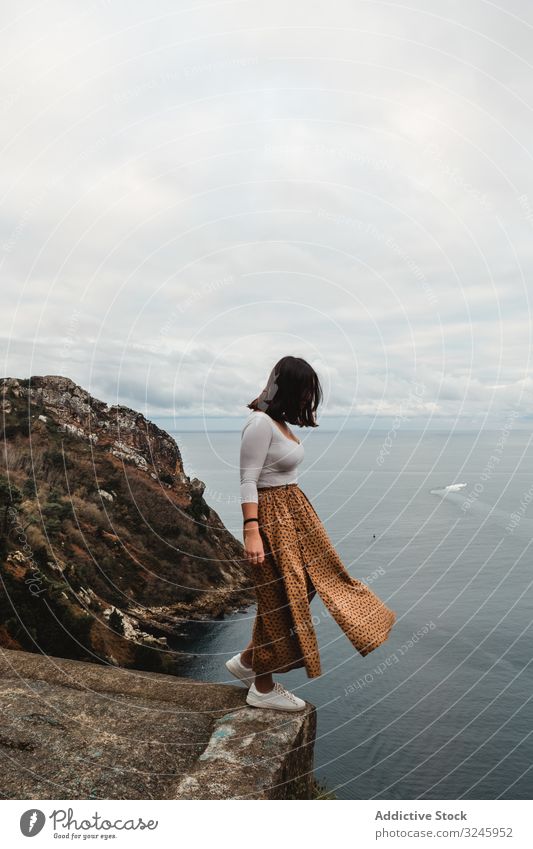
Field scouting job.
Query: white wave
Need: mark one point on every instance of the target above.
(452, 487)
(475, 506)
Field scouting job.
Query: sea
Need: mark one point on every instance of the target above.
(440, 525)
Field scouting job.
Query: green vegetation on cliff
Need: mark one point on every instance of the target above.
(106, 545)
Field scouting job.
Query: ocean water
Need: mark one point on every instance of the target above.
(443, 709)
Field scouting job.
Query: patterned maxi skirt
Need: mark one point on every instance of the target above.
(300, 560)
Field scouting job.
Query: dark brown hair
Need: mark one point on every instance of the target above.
(297, 395)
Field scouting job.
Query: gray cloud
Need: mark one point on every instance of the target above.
(189, 194)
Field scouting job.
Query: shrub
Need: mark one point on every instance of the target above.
(55, 458)
(10, 496)
(54, 511)
(115, 622)
(29, 489)
(35, 538)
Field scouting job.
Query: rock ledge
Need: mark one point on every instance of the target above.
(75, 730)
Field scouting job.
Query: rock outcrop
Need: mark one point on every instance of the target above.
(75, 730)
(123, 432)
(106, 545)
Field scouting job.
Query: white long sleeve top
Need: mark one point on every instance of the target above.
(267, 456)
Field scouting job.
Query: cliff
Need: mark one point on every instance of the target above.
(75, 730)
(106, 545)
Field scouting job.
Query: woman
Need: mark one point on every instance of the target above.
(288, 548)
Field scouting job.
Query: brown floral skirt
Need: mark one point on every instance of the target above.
(300, 560)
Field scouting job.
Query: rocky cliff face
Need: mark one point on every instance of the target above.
(106, 545)
(124, 433)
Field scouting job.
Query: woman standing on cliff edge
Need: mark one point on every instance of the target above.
(291, 554)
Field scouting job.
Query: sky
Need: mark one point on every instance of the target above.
(192, 190)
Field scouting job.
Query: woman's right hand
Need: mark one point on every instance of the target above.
(253, 547)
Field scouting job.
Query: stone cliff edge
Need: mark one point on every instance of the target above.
(76, 730)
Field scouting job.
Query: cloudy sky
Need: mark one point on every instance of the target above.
(191, 190)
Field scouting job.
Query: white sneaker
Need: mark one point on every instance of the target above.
(243, 673)
(277, 699)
